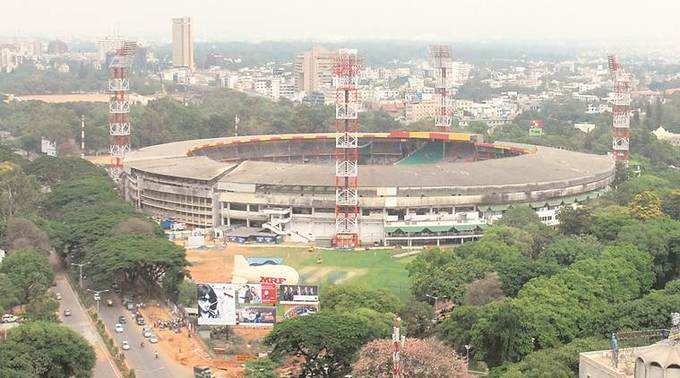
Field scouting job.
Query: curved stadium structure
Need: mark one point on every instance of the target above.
(416, 188)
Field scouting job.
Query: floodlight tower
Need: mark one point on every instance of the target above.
(119, 107)
(346, 69)
(440, 57)
(620, 110)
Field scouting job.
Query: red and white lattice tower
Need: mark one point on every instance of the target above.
(441, 59)
(620, 110)
(346, 70)
(119, 107)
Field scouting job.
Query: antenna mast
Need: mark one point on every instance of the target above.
(119, 107)
(346, 70)
(440, 57)
(620, 110)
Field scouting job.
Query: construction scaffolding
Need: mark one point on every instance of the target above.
(442, 64)
(620, 110)
(119, 107)
(346, 71)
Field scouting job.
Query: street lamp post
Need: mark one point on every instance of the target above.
(97, 296)
(80, 275)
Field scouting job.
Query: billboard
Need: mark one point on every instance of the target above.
(250, 294)
(216, 304)
(298, 294)
(257, 261)
(294, 311)
(269, 291)
(257, 316)
(48, 147)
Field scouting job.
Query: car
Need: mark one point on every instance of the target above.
(119, 328)
(109, 302)
(97, 297)
(67, 312)
(9, 318)
(146, 332)
(153, 339)
(58, 296)
(130, 306)
(140, 320)
(125, 346)
(122, 320)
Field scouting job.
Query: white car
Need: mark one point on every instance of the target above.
(9, 318)
(125, 345)
(119, 328)
(147, 332)
(58, 296)
(153, 339)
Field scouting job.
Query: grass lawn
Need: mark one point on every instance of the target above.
(374, 269)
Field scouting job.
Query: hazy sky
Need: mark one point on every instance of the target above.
(323, 19)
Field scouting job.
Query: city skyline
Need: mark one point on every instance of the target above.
(424, 20)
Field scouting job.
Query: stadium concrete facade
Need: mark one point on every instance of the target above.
(415, 188)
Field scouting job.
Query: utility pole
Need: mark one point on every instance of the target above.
(80, 275)
(82, 136)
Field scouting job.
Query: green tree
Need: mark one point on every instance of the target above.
(261, 368)
(646, 205)
(42, 306)
(18, 192)
(567, 250)
(9, 293)
(417, 317)
(139, 261)
(520, 216)
(661, 239)
(326, 341)
(347, 298)
(671, 204)
(28, 270)
(607, 222)
(47, 350)
(574, 221)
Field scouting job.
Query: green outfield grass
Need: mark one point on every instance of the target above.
(374, 269)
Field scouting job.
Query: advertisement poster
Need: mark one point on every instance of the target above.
(250, 294)
(294, 311)
(269, 291)
(298, 294)
(257, 316)
(216, 304)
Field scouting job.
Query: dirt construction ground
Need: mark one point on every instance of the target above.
(214, 265)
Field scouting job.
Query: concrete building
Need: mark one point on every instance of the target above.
(313, 70)
(415, 188)
(667, 136)
(182, 43)
(660, 360)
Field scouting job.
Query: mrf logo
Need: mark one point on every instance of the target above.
(272, 280)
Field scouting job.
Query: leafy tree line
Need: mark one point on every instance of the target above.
(39, 346)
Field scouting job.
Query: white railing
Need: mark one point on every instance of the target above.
(119, 150)
(346, 197)
(117, 85)
(620, 144)
(119, 128)
(346, 168)
(346, 141)
(119, 107)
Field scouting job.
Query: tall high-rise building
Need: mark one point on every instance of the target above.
(182, 43)
(314, 69)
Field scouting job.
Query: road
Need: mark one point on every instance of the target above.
(141, 359)
(79, 321)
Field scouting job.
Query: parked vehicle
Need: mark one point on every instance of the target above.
(9, 318)
(67, 312)
(125, 346)
(140, 320)
(130, 306)
(146, 332)
(153, 339)
(122, 320)
(119, 328)
(109, 302)
(58, 296)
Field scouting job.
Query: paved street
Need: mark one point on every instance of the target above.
(141, 359)
(80, 322)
